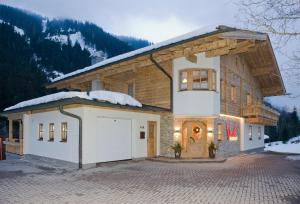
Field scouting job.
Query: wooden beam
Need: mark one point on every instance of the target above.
(189, 55)
(271, 91)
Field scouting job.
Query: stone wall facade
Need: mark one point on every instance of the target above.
(227, 147)
(166, 134)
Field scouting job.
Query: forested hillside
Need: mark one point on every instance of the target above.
(34, 49)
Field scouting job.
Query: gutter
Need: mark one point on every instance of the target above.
(62, 111)
(170, 78)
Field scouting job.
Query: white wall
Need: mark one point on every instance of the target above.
(247, 144)
(196, 103)
(67, 151)
(138, 123)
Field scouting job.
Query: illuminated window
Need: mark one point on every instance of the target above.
(130, 89)
(183, 80)
(64, 132)
(233, 94)
(51, 132)
(250, 132)
(220, 131)
(197, 79)
(41, 131)
(259, 133)
(249, 99)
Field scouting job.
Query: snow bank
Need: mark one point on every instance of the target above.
(109, 96)
(280, 147)
(142, 50)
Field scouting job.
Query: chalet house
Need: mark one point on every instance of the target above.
(194, 89)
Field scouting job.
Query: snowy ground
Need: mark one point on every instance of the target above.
(292, 147)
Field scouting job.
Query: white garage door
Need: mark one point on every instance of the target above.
(113, 139)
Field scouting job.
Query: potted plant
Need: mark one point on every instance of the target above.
(212, 148)
(177, 150)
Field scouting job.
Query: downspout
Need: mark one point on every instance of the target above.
(62, 111)
(170, 78)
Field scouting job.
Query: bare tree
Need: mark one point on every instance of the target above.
(281, 19)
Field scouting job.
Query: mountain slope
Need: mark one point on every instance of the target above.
(34, 49)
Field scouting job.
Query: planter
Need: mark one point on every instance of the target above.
(211, 153)
(177, 154)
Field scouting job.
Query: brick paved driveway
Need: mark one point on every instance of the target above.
(259, 178)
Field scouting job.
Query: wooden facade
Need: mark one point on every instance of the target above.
(248, 73)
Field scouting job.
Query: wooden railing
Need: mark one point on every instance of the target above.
(260, 114)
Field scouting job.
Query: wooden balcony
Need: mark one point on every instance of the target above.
(260, 114)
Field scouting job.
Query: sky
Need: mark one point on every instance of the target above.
(158, 20)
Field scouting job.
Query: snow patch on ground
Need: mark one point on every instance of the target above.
(293, 157)
(77, 38)
(292, 146)
(109, 96)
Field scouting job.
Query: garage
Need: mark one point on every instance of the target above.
(113, 140)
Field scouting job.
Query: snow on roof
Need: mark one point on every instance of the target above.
(109, 96)
(195, 33)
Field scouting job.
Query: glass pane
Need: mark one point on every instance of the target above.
(130, 89)
(204, 79)
(196, 80)
(183, 80)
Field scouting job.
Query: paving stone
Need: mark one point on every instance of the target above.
(258, 178)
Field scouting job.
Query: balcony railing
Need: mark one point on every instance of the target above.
(260, 114)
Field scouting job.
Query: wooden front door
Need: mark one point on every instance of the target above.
(151, 141)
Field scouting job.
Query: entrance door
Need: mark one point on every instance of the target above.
(194, 139)
(151, 141)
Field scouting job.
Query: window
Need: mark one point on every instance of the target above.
(130, 89)
(223, 89)
(250, 132)
(41, 131)
(183, 80)
(197, 79)
(64, 132)
(259, 133)
(249, 99)
(233, 94)
(220, 131)
(51, 132)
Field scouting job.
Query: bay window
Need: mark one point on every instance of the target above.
(197, 79)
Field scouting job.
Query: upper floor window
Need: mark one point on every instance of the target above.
(51, 132)
(183, 80)
(248, 99)
(130, 89)
(197, 79)
(233, 94)
(41, 131)
(64, 132)
(223, 89)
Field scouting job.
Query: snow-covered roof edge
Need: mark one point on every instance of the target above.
(210, 30)
(107, 96)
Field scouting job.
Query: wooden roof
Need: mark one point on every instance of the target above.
(255, 47)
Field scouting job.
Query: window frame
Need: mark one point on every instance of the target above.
(211, 79)
(51, 132)
(250, 132)
(64, 132)
(41, 132)
(233, 93)
(220, 131)
(131, 83)
(259, 132)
